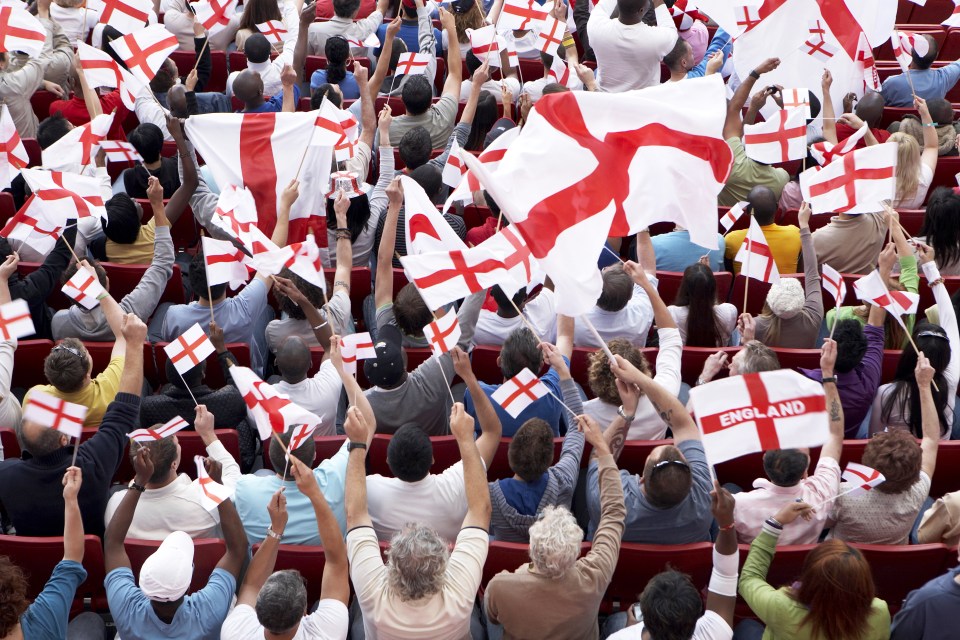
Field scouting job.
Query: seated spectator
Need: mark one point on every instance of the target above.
(320, 393)
(684, 62)
(392, 48)
(557, 594)
(423, 590)
(833, 572)
(151, 609)
(536, 485)
(91, 324)
(940, 230)
(670, 604)
(325, 9)
(703, 321)
(787, 473)
(147, 139)
(171, 502)
(670, 502)
(259, 11)
(675, 252)
(337, 51)
(297, 297)
(627, 50)
(346, 22)
(886, 514)
(413, 494)
(47, 615)
(257, 50)
(76, 107)
(784, 240)
(467, 15)
(921, 80)
(409, 30)
(75, 18)
(248, 89)
(915, 166)
(29, 494)
(179, 20)
(10, 412)
(850, 242)
(941, 522)
(275, 603)
(927, 612)
(941, 116)
(869, 110)
(494, 327)
(491, 92)
(753, 357)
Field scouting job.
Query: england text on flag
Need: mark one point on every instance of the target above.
(165, 430)
(519, 392)
(190, 349)
(52, 412)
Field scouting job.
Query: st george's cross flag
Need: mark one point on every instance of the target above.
(442, 277)
(759, 412)
(443, 333)
(519, 392)
(783, 137)
(85, 288)
(454, 169)
(145, 50)
(817, 46)
(370, 41)
(954, 19)
(868, 65)
(224, 262)
(797, 98)
(67, 195)
(425, 229)
(510, 250)
(303, 258)
(212, 493)
(20, 30)
(684, 14)
(274, 31)
(126, 16)
(50, 411)
(118, 151)
(354, 347)
(79, 145)
(862, 477)
(563, 74)
(905, 44)
(755, 258)
(236, 214)
(490, 158)
(826, 152)
(36, 224)
(551, 36)
(833, 284)
(484, 44)
(100, 70)
(165, 430)
(189, 349)
(13, 155)
(300, 434)
(730, 218)
(522, 15)
(411, 64)
(15, 320)
(873, 290)
(856, 183)
(272, 411)
(215, 15)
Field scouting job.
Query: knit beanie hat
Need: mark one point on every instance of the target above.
(785, 298)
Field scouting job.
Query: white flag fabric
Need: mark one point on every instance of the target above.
(730, 218)
(215, 15)
(236, 214)
(145, 50)
(873, 290)
(356, 346)
(101, 70)
(425, 228)
(13, 155)
(67, 195)
(224, 262)
(551, 36)
(857, 183)
(165, 430)
(274, 31)
(303, 258)
(522, 15)
(755, 258)
(85, 288)
(20, 30)
(490, 157)
(484, 44)
(863, 477)
(575, 145)
(442, 277)
(563, 74)
(189, 349)
(126, 16)
(454, 169)
(797, 98)
(412, 64)
(300, 434)
(15, 320)
(79, 145)
(443, 333)
(35, 224)
(117, 151)
(510, 249)
(905, 44)
(271, 410)
(211, 493)
(52, 412)
(783, 137)
(826, 152)
(954, 19)
(519, 392)
(758, 412)
(833, 284)
(370, 41)
(817, 47)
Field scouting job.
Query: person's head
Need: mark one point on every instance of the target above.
(698, 293)
(415, 147)
(467, 14)
(633, 7)
(408, 9)
(505, 303)
(410, 454)
(908, 162)
(165, 454)
(37, 439)
(416, 562)
(554, 87)
(52, 129)
(754, 357)
(814, 106)
(123, 219)
(484, 118)
(924, 62)
(671, 606)
(785, 298)
(337, 51)
(198, 280)
(346, 8)
(430, 179)
(282, 602)
(520, 351)
(389, 369)
(329, 91)
(147, 139)
(293, 359)
(257, 48)
(602, 381)
(896, 454)
(555, 542)
(904, 397)
(166, 574)
(68, 366)
(786, 467)
(411, 312)
(941, 111)
(851, 345)
(940, 226)
(102, 277)
(531, 450)
(191, 378)
(417, 94)
(177, 101)
(248, 87)
(167, 76)
(617, 289)
(499, 127)
(666, 477)
(305, 453)
(358, 215)
(13, 595)
(680, 59)
(763, 205)
(870, 108)
(259, 11)
(834, 572)
(399, 48)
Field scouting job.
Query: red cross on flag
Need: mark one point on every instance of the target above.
(411, 64)
(52, 412)
(484, 44)
(519, 392)
(445, 276)
(954, 19)
(905, 44)
(826, 152)
(117, 151)
(730, 218)
(20, 30)
(868, 64)
(443, 333)
(783, 137)
(425, 228)
(755, 258)
(510, 249)
(833, 284)
(490, 158)
(857, 183)
(797, 99)
(684, 14)
(85, 288)
(67, 195)
(370, 41)
(236, 213)
(224, 262)
(820, 50)
(79, 145)
(126, 16)
(34, 224)
(300, 434)
(165, 430)
(211, 493)
(748, 17)
(100, 70)
(563, 74)
(272, 411)
(759, 412)
(862, 477)
(15, 320)
(303, 258)
(873, 290)
(274, 31)
(522, 15)
(454, 169)
(145, 50)
(215, 15)
(13, 155)
(551, 36)
(190, 349)
(356, 346)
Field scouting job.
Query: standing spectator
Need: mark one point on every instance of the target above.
(320, 393)
(921, 81)
(928, 612)
(703, 321)
(784, 240)
(629, 52)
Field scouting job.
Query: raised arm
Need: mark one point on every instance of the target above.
(266, 556)
(722, 591)
(72, 521)
(355, 395)
(322, 329)
(474, 475)
(307, 16)
(386, 52)
(383, 287)
(928, 413)
(833, 447)
(134, 332)
(490, 428)
(180, 199)
(661, 316)
(355, 496)
(368, 110)
(233, 534)
(454, 69)
(733, 125)
(931, 144)
(829, 114)
(671, 411)
(114, 553)
(813, 302)
(289, 79)
(90, 99)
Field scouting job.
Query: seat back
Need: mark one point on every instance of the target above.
(207, 552)
(124, 278)
(28, 362)
(214, 376)
(308, 560)
(638, 563)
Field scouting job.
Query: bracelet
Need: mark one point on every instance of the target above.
(622, 414)
(832, 379)
(699, 382)
(755, 75)
(931, 124)
(728, 527)
(273, 534)
(773, 522)
(137, 487)
(320, 326)
(568, 42)
(339, 229)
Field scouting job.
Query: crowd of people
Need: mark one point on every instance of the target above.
(404, 552)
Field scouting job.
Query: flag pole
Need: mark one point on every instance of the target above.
(206, 43)
(192, 397)
(440, 363)
(835, 321)
(76, 445)
(209, 295)
(525, 321)
(596, 334)
(562, 403)
(614, 253)
(72, 252)
(746, 285)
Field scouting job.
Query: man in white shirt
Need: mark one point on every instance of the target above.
(343, 24)
(318, 394)
(171, 502)
(628, 51)
(257, 49)
(493, 327)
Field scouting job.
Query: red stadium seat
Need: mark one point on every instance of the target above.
(638, 563)
(41, 101)
(798, 358)
(309, 560)
(926, 293)
(28, 362)
(445, 453)
(399, 280)
(895, 114)
(757, 295)
(891, 359)
(945, 173)
(192, 445)
(124, 278)
(207, 552)
(33, 151)
(185, 60)
(951, 46)
(7, 207)
(185, 231)
(668, 284)
(8, 440)
(475, 216)
(691, 364)
(891, 563)
(885, 51)
(396, 105)
(483, 358)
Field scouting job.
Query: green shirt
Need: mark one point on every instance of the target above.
(745, 175)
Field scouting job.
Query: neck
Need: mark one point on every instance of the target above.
(286, 635)
(677, 75)
(203, 302)
(160, 485)
(152, 165)
(166, 610)
(631, 18)
(256, 102)
(15, 634)
(293, 379)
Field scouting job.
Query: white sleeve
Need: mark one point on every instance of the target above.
(668, 360)
(231, 470)
(948, 320)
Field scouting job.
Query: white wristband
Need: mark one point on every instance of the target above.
(723, 579)
(931, 272)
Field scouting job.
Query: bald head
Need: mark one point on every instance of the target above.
(248, 86)
(38, 440)
(763, 205)
(177, 101)
(293, 359)
(870, 108)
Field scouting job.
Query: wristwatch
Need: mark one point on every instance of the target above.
(622, 414)
(356, 445)
(832, 379)
(137, 487)
(273, 534)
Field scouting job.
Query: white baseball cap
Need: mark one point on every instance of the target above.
(166, 574)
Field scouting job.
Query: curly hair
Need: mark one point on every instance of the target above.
(13, 595)
(417, 562)
(555, 542)
(897, 456)
(602, 381)
(531, 450)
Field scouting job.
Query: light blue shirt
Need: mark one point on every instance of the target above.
(720, 42)
(928, 83)
(199, 617)
(675, 252)
(348, 86)
(46, 618)
(253, 493)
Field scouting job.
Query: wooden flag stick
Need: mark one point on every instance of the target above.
(596, 334)
(207, 278)
(562, 403)
(526, 321)
(72, 252)
(449, 390)
(836, 319)
(746, 284)
(76, 445)
(613, 253)
(206, 43)
(917, 350)
(187, 387)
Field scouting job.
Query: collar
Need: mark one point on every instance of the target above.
(56, 458)
(259, 67)
(763, 483)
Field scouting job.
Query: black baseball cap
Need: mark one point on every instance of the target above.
(387, 368)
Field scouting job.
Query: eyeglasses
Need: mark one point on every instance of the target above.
(664, 463)
(63, 347)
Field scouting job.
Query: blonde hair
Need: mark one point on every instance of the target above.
(555, 542)
(473, 19)
(908, 166)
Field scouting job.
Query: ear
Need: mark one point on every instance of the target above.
(64, 440)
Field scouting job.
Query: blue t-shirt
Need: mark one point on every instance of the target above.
(410, 34)
(348, 86)
(675, 252)
(275, 103)
(928, 84)
(547, 408)
(930, 612)
(199, 617)
(523, 496)
(46, 618)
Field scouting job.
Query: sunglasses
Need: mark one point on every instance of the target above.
(62, 347)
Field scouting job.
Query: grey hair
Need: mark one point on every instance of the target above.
(46, 441)
(555, 542)
(417, 562)
(282, 602)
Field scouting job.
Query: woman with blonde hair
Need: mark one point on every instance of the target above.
(915, 167)
(467, 14)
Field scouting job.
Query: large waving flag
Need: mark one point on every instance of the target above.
(424, 227)
(145, 50)
(100, 70)
(79, 145)
(13, 155)
(873, 290)
(67, 195)
(20, 30)
(215, 15)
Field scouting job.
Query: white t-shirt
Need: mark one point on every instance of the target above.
(628, 56)
(330, 621)
(541, 313)
(725, 314)
(710, 626)
(493, 86)
(632, 322)
(923, 185)
(319, 394)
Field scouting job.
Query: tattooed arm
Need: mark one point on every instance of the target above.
(833, 446)
(616, 434)
(671, 411)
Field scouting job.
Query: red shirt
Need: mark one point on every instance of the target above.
(75, 111)
(845, 131)
(325, 9)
